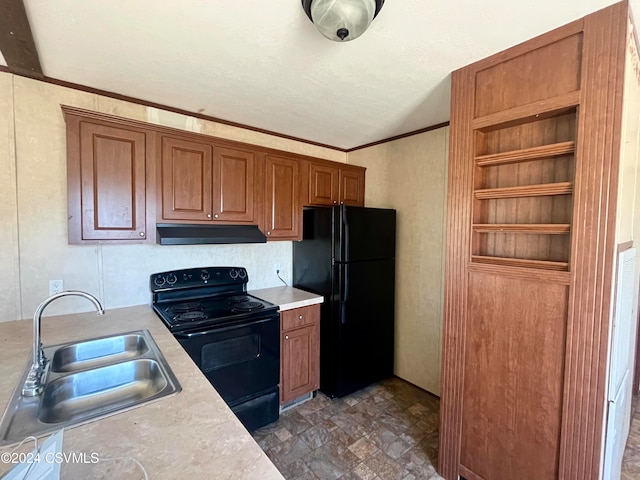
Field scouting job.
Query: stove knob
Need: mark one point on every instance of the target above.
(205, 275)
(233, 274)
(171, 279)
(159, 281)
(243, 273)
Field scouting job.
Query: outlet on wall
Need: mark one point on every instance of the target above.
(276, 268)
(55, 286)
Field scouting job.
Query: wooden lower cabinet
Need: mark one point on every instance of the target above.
(300, 352)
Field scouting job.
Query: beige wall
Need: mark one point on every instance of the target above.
(410, 175)
(628, 211)
(33, 208)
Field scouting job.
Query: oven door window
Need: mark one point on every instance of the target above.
(241, 361)
(230, 351)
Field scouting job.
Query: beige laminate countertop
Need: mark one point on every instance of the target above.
(287, 298)
(192, 434)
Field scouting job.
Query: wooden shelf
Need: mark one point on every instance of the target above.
(526, 154)
(543, 189)
(529, 112)
(532, 228)
(519, 262)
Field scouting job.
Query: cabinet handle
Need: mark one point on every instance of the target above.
(286, 337)
(215, 216)
(208, 215)
(142, 234)
(300, 317)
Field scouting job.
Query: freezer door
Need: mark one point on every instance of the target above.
(364, 234)
(312, 257)
(365, 324)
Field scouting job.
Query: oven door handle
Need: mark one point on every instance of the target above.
(192, 335)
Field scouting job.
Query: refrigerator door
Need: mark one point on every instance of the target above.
(312, 269)
(363, 317)
(363, 233)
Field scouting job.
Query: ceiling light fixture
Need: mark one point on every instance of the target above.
(342, 20)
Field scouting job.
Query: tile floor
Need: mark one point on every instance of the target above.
(388, 431)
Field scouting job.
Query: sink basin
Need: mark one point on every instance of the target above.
(100, 390)
(101, 351)
(89, 380)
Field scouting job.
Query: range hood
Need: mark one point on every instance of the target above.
(187, 234)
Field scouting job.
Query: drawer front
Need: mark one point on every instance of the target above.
(300, 317)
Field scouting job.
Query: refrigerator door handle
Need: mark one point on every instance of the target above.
(345, 297)
(345, 222)
(344, 292)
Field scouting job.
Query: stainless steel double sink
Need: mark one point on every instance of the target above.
(88, 380)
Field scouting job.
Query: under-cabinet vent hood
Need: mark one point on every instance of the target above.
(186, 234)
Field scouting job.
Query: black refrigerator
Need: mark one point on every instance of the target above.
(348, 255)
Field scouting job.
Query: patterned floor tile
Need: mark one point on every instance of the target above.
(383, 432)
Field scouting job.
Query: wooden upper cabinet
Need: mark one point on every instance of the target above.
(203, 182)
(352, 187)
(283, 212)
(187, 182)
(125, 176)
(324, 187)
(107, 170)
(234, 185)
(329, 183)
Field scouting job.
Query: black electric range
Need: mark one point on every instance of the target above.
(233, 337)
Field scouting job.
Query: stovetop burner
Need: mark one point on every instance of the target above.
(246, 306)
(190, 316)
(200, 298)
(185, 307)
(238, 298)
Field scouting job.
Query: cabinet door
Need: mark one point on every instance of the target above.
(323, 185)
(112, 184)
(233, 185)
(283, 211)
(352, 187)
(300, 362)
(186, 180)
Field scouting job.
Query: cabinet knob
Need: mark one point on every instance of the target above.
(300, 317)
(142, 234)
(335, 201)
(208, 215)
(268, 233)
(215, 216)
(286, 337)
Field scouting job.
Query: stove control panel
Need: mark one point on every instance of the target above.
(198, 277)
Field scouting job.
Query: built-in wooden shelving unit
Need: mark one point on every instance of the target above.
(523, 178)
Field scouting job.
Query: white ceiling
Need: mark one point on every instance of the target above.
(263, 63)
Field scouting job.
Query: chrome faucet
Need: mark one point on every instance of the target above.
(34, 385)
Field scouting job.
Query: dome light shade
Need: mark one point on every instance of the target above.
(342, 20)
